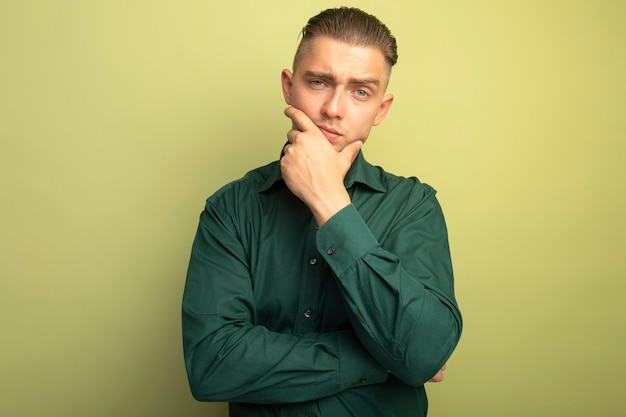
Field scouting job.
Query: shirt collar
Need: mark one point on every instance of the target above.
(361, 172)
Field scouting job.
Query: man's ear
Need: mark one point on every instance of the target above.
(286, 79)
(383, 109)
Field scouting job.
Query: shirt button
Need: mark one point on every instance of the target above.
(330, 251)
(363, 380)
(308, 314)
(312, 261)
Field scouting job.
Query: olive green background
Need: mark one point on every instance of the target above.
(118, 118)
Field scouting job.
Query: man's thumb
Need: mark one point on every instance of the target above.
(352, 150)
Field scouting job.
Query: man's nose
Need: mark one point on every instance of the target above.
(334, 105)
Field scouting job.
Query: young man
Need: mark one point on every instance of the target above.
(320, 285)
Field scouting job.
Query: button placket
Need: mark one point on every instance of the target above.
(306, 320)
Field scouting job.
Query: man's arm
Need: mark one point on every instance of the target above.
(399, 292)
(229, 357)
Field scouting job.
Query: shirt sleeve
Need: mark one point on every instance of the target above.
(228, 357)
(399, 291)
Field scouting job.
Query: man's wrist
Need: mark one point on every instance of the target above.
(324, 210)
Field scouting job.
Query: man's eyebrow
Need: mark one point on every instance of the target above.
(366, 80)
(322, 75)
(330, 77)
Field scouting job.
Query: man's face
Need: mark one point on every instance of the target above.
(341, 88)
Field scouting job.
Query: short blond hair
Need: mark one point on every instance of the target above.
(352, 26)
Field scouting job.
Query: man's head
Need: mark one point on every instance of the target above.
(340, 74)
(351, 26)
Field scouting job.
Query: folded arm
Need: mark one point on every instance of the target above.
(229, 357)
(399, 290)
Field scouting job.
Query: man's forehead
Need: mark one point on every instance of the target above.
(325, 55)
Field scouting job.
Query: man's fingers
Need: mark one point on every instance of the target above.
(299, 119)
(352, 150)
(439, 376)
(291, 135)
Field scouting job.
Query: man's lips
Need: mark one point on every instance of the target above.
(329, 132)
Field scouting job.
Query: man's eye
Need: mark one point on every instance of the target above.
(362, 93)
(316, 83)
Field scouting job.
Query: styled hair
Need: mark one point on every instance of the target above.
(352, 26)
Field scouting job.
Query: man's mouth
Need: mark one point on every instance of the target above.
(330, 133)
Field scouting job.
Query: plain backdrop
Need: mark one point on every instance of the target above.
(119, 118)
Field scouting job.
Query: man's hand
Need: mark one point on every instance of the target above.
(313, 170)
(438, 376)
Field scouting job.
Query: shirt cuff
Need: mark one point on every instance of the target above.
(356, 366)
(344, 239)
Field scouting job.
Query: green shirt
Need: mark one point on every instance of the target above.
(282, 318)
